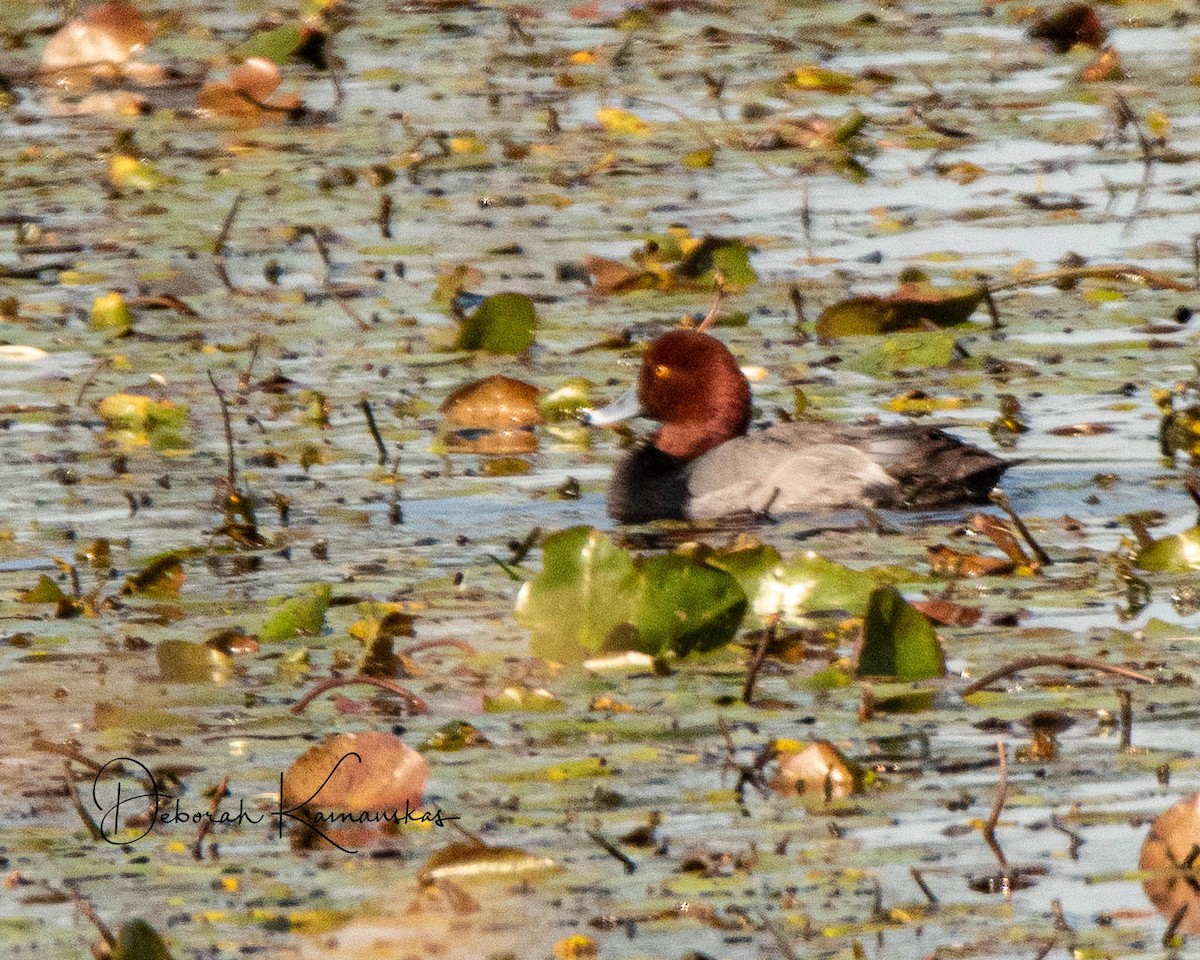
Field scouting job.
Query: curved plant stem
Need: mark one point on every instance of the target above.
(1079, 663)
(415, 703)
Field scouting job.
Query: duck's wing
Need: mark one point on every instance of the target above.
(770, 473)
(931, 468)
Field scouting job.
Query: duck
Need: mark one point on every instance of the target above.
(703, 464)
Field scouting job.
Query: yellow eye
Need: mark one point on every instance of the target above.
(662, 371)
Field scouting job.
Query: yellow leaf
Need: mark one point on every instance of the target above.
(467, 144)
(615, 120)
(698, 159)
(582, 57)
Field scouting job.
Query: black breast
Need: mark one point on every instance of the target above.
(648, 485)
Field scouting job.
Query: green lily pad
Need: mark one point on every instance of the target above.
(906, 351)
(903, 310)
(139, 941)
(503, 323)
(592, 596)
(808, 583)
(180, 661)
(898, 640)
(302, 615)
(279, 45)
(1174, 554)
(111, 314)
(686, 606)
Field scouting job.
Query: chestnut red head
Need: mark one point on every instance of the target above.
(691, 383)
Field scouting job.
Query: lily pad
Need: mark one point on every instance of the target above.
(592, 596)
(1174, 554)
(180, 661)
(503, 323)
(303, 615)
(139, 941)
(906, 309)
(357, 772)
(898, 641)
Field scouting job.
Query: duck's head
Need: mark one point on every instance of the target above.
(692, 385)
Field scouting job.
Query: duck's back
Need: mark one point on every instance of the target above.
(814, 466)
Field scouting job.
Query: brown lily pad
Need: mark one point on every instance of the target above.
(386, 774)
(1169, 854)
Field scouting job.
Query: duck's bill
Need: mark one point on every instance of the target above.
(625, 407)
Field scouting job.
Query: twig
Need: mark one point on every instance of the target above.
(1126, 699)
(73, 897)
(989, 828)
(384, 218)
(989, 301)
(759, 656)
(919, 879)
(415, 703)
(777, 935)
(1000, 499)
(441, 642)
(223, 239)
(1060, 920)
(1076, 663)
(206, 824)
(232, 470)
(1176, 920)
(365, 406)
(1115, 271)
(101, 364)
(611, 849)
(95, 831)
(718, 299)
(395, 510)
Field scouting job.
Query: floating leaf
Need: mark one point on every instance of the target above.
(686, 606)
(1168, 856)
(584, 592)
(945, 562)
(44, 591)
(478, 861)
(455, 735)
(535, 700)
(1174, 554)
(898, 641)
(906, 351)
(809, 583)
(810, 76)
(180, 661)
(387, 775)
(141, 413)
(97, 44)
(819, 769)
(1105, 66)
(568, 401)
(161, 578)
(503, 323)
(130, 173)
(139, 941)
(905, 309)
(918, 402)
(615, 120)
(247, 93)
(592, 596)
(278, 45)
(19, 353)
(494, 402)
(303, 615)
(111, 314)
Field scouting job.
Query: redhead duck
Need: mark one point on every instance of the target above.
(701, 464)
